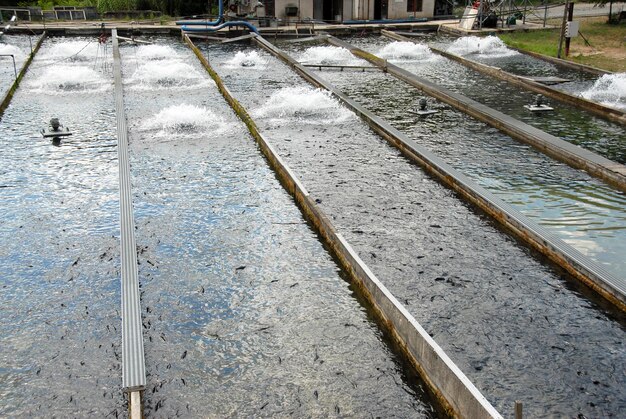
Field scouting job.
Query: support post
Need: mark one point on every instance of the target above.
(134, 405)
(570, 17)
(519, 414)
(562, 35)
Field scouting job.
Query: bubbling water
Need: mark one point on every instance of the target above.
(328, 55)
(406, 51)
(73, 51)
(6, 49)
(172, 74)
(155, 52)
(184, 119)
(303, 105)
(69, 79)
(490, 46)
(251, 59)
(610, 90)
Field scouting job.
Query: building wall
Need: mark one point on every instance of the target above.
(347, 9)
(397, 9)
(358, 9)
(305, 8)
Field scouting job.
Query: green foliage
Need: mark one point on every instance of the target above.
(606, 50)
(170, 7)
(49, 4)
(116, 5)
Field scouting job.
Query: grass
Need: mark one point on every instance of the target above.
(607, 49)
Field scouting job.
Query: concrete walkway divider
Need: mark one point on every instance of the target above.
(591, 273)
(20, 76)
(606, 112)
(577, 157)
(457, 395)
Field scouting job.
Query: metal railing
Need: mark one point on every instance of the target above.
(14, 66)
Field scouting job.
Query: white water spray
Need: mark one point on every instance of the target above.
(251, 60)
(69, 79)
(490, 46)
(158, 75)
(328, 55)
(155, 52)
(6, 49)
(303, 105)
(70, 51)
(407, 51)
(183, 119)
(610, 90)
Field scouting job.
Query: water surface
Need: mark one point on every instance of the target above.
(515, 325)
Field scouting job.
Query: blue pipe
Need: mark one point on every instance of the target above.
(220, 18)
(223, 25)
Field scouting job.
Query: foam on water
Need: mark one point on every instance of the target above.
(250, 60)
(406, 51)
(71, 51)
(156, 75)
(155, 52)
(610, 90)
(490, 46)
(184, 119)
(303, 105)
(328, 55)
(66, 79)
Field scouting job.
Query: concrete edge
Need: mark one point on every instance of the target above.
(133, 360)
(608, 113)
(453, 389)
(577, 157)
(9, 95)
(581, 268)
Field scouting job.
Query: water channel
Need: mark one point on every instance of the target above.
(585, 212)
(245, 313)
(608, 89)
(59, 238)
(536, 337)
(569, 123)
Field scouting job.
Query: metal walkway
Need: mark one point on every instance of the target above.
(133, 363)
